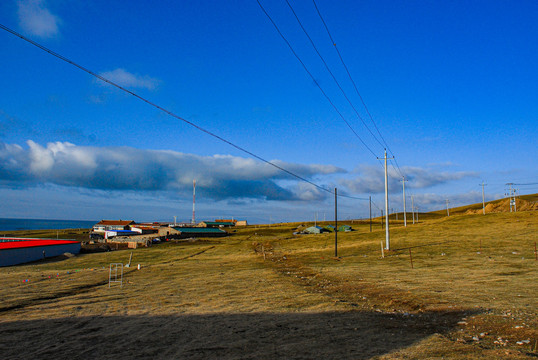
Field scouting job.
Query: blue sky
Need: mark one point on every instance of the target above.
(451, 86)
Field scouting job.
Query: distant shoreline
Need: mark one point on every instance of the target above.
(9, 224)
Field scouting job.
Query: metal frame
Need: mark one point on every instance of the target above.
(113, 274)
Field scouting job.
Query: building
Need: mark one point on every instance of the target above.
(314, 230)
(345, 228)
(112, 225)
(15, 251)
(199, 232)
(216, 224)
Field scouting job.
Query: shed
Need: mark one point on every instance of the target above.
(345, 228)
(216, 224)
(329, 228)
(15, 251)
(314, 230)
(188, 232)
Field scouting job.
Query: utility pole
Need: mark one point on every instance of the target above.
(193, 200)
(335, 223)
(370, 213)
(447, 212)
(381, 219)
(413, 209)
(483, 199)
(512, 194)
(405, 216)
(387, 233)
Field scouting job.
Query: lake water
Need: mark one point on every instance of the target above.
(40, 224)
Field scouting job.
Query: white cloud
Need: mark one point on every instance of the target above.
(372, 179)
(127, 79)
(124, 168)
(36, 19)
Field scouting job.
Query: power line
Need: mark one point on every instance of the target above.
(102, 78)
(356, 89)
(315, 82)
(332, 75)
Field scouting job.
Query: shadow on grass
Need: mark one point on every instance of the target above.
(329, 335)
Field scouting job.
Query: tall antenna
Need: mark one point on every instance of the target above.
(193, 200)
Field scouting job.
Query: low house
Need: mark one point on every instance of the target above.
(329, 228)
(345, 228)
(112, 225)
(314, 230)
(216, 224)
(199, 232)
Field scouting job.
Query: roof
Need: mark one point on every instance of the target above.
(199, 230)
(23, 243)
(115, 222)
(225, 223)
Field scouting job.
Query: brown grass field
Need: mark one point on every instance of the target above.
(264, 293)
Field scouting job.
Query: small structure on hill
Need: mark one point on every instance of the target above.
(314, 230)
(345, 228)
(329, 228)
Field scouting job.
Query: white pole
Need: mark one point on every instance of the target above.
(447, 211)
(387, 233)
(405, 216)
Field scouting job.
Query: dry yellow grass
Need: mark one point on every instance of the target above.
(472, 276)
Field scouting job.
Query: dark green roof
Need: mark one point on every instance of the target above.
(198, 230)
(224, 223)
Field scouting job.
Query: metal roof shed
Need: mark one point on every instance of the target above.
(14, 251)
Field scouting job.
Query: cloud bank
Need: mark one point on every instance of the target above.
(36, 19)
(371, 179)
(125, 168)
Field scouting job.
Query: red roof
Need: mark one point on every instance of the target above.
(33, 243)
(115, 222)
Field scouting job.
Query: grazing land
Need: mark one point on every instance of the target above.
(456, 287)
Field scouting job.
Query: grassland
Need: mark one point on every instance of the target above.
(265, 293)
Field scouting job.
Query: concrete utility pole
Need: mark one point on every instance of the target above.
(447, 212)
(387, 233)
(413, 209)
(405, 216)
(483, 199)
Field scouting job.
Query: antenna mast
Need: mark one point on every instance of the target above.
(193, 200)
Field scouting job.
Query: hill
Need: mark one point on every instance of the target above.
(455, 287)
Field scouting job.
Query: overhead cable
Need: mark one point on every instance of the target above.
(355, 86)
(102, 78)
(315, 82)
(332, 75)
